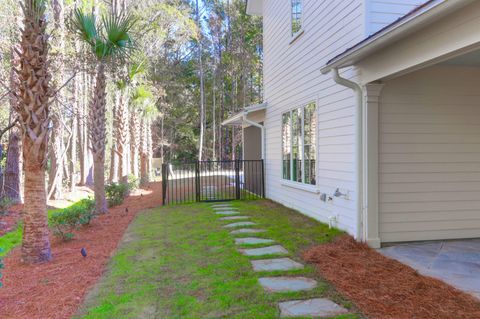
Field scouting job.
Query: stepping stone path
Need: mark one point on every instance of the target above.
(271, 250)
(234, 217)
(317, 307)
(226, 213)
(252, 241)
(239, 224)
(247, 231)
(287, 284)
(275, 264)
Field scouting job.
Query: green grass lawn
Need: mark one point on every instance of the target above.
(178, 262)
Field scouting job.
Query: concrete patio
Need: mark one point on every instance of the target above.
(456, 262)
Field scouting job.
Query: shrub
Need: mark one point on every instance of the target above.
(116, 193)
(133, 182)
(65, 221)
(5, 204)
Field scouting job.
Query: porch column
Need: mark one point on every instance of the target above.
(370, 217)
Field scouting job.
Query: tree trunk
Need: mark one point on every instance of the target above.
(134, 142)
(97, 137)
(144, 178)
(202, 86)
(12, 169)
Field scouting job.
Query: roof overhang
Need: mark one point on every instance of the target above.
(238, 118)
(424, 15)
(255, 7)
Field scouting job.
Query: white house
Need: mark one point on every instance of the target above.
(371, 120)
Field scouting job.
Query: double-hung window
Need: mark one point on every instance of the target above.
(297, 10)
(299, 144)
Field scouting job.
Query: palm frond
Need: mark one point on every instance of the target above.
(86, 27)
(117, 34)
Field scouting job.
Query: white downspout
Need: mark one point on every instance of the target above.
(262, 129)
(359, 146)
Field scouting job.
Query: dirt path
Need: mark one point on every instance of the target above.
(55, 290)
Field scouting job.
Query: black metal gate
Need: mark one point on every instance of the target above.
(213, 181)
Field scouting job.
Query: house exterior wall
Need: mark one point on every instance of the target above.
(429, 155)
(380, 13)
(252, 143)
(291, 78)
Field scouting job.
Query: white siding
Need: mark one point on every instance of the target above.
(380, 13)
(429, 155)
(291, 77)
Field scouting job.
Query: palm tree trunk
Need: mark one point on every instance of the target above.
(134, 142)
(97, 136)
(35, 242)
(12, 169)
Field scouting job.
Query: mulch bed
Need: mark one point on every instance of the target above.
(384, 288)
(10, 221)
(56, 289)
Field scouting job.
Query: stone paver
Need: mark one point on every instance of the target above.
(221, 205)
(252, 241)
(271, 250)
(275, 264)
(239, 224)
(234, 217)
(226, 213)
(287, 284)
(247, 231)
(224, 208)
(318, 307)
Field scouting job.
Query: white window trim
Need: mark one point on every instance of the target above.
(312, 188)
(299, 33)
(301, 186)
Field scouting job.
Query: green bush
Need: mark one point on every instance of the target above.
(65, 221)
(116, 193)
(5, 204)
(133, 182)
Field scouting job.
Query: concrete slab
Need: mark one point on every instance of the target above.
(227, 213)
(287, 284)
(455, 262)
(247, 231)
(234, 217)
(239, 224)
(275, 264)
(252, 241)
(318, 307)
(221, 205)
(271, 250)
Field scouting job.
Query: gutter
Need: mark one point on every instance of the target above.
(392, 33)
(359, 148)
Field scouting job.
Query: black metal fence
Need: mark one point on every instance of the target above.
(213, 181)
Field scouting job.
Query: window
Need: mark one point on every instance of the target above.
(299, 144)
(296, 16)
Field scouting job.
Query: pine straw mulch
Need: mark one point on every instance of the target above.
(384, 288)
(55, 290)
(9, 221)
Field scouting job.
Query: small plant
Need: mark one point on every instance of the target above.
(5, 204)
(133, 182)
(116, 193)
(67, 220)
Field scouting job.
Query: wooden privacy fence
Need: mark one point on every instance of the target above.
(213, 181)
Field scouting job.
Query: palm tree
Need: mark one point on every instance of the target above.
(110, 42)
(34, 116)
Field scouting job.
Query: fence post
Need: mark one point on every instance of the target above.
(263, 178)
(197, 181)
(237, 179)
(164, 183)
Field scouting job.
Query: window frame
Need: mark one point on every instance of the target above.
(295, 35)
(290, 182)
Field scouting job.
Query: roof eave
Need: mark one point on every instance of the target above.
(394, 32)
